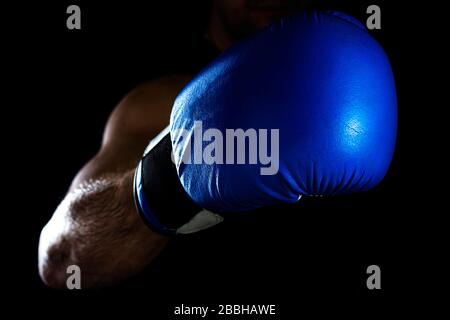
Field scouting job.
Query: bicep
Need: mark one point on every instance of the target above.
(137, 119)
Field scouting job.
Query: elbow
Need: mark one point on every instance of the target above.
(53, 260)
(52, 277)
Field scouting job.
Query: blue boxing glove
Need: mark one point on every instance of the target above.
(316, 88)
(306, 107)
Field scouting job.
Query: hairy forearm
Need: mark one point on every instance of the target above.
(97, 228)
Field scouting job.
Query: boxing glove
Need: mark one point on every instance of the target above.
(314, 94)
(305, 107)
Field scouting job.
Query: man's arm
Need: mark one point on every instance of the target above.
(96, 226)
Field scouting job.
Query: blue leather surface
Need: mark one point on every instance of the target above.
(324, 82)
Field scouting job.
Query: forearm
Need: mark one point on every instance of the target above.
(97, 228)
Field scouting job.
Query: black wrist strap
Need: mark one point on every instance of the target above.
(159, 196)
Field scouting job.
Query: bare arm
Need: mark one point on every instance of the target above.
(96, 226)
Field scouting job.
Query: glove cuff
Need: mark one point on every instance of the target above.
(159, 196)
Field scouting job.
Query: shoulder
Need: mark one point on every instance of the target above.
(158, 89)
(146, 109)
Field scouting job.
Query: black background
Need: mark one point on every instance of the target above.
(312, 255)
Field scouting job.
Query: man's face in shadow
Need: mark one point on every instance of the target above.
(242, 17)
